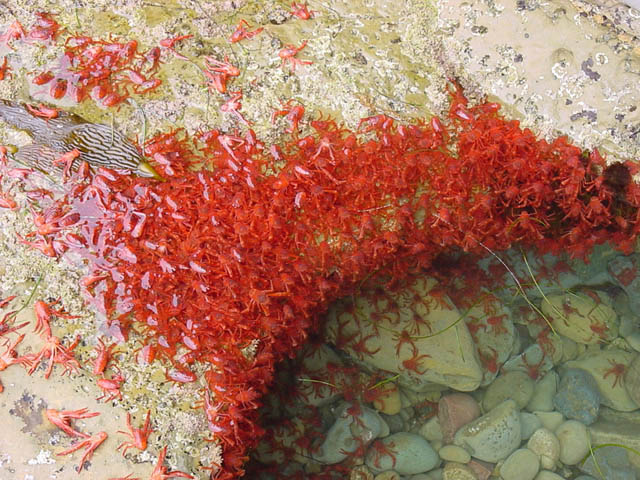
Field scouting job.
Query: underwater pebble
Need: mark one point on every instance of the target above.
(620, 429)
(431, 430)
(574, 441)
(360, 472)
(522, 464)
(494, 435)
(529, 423)
(454, 453)
(632, 379)
(607, 368)
(457, 471)
(388, 402)
(454, 411)
(547, 475)
(585, 477)
(408, 454)
(611, 463)
(483, 470)
(515, 385)
(388, 475)
(347, 434)
(576, 315)
(546, 445)
(578, 397)
(550, 420)
(543, 393)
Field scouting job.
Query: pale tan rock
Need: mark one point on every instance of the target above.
(388, 401)
(579, 317)
(607, 368)
(458, 471)
(437, 351)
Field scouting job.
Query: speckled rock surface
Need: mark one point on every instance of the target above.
(578, 396)
(493, 436)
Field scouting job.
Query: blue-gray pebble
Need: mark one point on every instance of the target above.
(578, 397)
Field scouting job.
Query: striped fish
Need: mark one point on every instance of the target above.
(99, 145)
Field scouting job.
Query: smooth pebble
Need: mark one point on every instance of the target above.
(529, 423)
(632, 379)
(578, 397)
(388, 475)
(454, 453)
(574, 441)
(454, 411)
(515, 385)
(457, 471)
(550, 420)
(546, 445)
(404, 452)
(547, 475)
(543, 393)
(494, 435)
(522, 464)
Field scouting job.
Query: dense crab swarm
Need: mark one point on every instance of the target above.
(231, 261)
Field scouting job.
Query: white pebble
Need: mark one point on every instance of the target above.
(546, 445)
(574, 441)
(453, 453)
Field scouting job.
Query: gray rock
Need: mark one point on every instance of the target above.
(494, 435)
(354, 427)
(522, 464)
(578, 397)
(515, 384)
(406, 453)
(611, 463)
(632, 379)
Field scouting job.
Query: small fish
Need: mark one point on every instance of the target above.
(99, 145)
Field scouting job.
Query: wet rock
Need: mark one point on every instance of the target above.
(607, 367)
(454, 411)
(397, 332)
(574, 441)
(547, 475)
(578, 397)
(457, 471)
(550, 420)
(481, 469)
(624, 431)
(610, 463)
(515, 385)
(355, 426)
(406, 453)
(494, 435)
(631, 380)
(388, 400)
(585, 317)
(529, 423)
(543, 393)
(522, 464)
(453, 453)
(546, 445)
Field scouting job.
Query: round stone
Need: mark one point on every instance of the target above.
(515, 385)
(578, 397)
(405, 453)
(494, 435)
(457, 471)
(546, 445)
(574, 441)
(454, 411)
(544, 391)
(529, 423)
(632, 379)
(388, 400)
(454, 453)
(522, 464)
(547, 475)
(388, 475)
